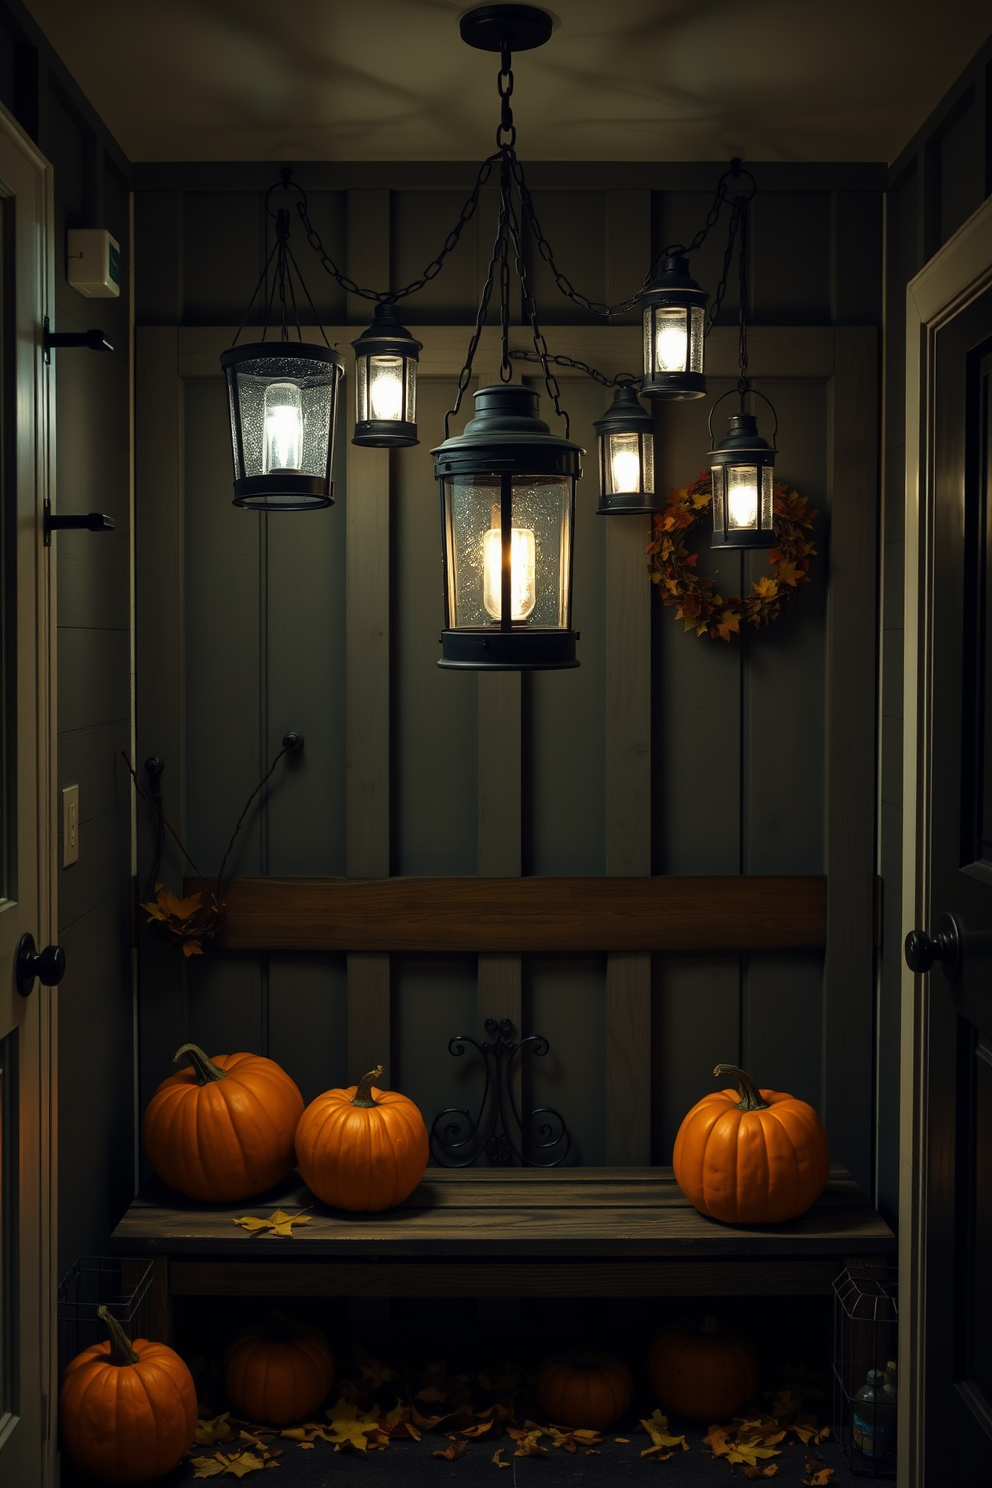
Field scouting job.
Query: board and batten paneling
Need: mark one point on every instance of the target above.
(662, 753)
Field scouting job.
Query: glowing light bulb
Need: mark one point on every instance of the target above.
(742, 496)
(386, 392)
(671, 341)
(523, 553)
(283, 421)
(625, 464)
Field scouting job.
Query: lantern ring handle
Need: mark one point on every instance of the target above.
(753, 391)
(285, 183)
(734, 173)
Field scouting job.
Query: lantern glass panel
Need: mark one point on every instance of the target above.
(267, 392)
(386, 388)
(767, 497)
(719, 502)
(410, 366)
(697, 335)
(623, 464)
(671, 333)
(539, 550)
(742, 497)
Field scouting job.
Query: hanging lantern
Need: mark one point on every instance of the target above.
(283, 397)
(674, 330)
(507, 503)
(386, 358)
(626, 456)
(743, 472)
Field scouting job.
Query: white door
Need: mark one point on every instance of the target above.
(27, 900)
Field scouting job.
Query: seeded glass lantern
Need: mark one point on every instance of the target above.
(507, 504)
(386, 358)
(626, 456)
(283, 399)
(674, 309)
(743, 472)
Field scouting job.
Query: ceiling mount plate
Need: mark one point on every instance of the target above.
(521, 28)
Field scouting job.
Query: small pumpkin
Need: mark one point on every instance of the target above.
(223, 1129)
(753, 1156)
(127, 1411)
(700, 1373)
(362, 1148)
(279, 1371)
(589, 1390)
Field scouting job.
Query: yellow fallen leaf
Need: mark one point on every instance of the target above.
(215, 1430)
(207, 1467)
(453, 1451)
(498, 1458)
(278, 1222)
(624, 1440)
(817, 1477)
(662, 1440)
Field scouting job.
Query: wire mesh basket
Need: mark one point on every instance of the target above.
(122, 1286)
(866, 1316)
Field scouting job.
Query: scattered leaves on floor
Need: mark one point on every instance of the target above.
(453, 1451)
(498, 1458)
(278, 1223)
(231, 1465)
(817, 1476)
(215, 1430)
(528, 1439)
(572, 1438)
(662, 1441)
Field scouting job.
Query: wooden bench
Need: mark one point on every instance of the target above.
(516, 1232)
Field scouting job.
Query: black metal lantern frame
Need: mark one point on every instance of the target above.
(283, 396)
(386, 357)
(742, 465)
(626, 456)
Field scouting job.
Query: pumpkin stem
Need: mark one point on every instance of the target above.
(750, 1094)
(205, 1068)
(121, 1352)
(363, 1095)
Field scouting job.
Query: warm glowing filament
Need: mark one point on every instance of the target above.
(283, 420)
(625, 464)
(742, 496)
(671, 341)
(386, 392)
(523, 593)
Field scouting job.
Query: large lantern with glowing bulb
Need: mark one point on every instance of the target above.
(674, 310)
(283, 399)
(386, 358)
(507, 503)
(626, 456)
(742, 466)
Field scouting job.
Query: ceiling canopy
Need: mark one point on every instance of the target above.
(391, 80)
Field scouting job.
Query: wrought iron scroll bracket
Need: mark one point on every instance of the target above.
(539, 1139)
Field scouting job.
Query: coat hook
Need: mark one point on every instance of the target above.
(292, 742)
(93, 340)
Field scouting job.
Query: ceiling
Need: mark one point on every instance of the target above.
(619, 80)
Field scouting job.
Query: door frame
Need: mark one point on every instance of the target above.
(954, 277)
(34, 293)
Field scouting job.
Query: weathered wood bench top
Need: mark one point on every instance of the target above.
(483, 1212)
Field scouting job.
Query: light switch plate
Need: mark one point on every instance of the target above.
(70, 825)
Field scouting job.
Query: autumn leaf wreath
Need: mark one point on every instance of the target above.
(699, 605)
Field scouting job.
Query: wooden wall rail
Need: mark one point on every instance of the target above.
(678, 913)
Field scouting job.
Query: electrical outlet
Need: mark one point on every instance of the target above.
(70, 825)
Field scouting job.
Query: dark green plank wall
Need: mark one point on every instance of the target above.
(737, 762)
(95, 1013)
(941, 177)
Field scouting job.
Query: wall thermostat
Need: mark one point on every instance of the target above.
(93, 262)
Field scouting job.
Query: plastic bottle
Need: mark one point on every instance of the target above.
(874, 1424)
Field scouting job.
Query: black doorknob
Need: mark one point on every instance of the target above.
(48, 966)
(922, 950)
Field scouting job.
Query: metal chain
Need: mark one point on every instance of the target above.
(622, 379)
(465, 375)
(530, 310)
(721, 289)
(389, 297)
(506, 130)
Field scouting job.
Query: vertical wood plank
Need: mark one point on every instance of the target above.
(628, 744)
(160, 693)
(367, 656)
(849, 969)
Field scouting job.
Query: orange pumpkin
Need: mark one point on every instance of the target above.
(279, 1372)
(362, 1149)
(224, 1129)
(753, 1157)
(127, 1411)
(701, 1373)
(586, 1389)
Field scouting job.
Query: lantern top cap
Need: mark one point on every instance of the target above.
(506, 433)
(387, 329)
(497, 28)
(626, 414)
(287, 351)
(742, 437)
(673, 278)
